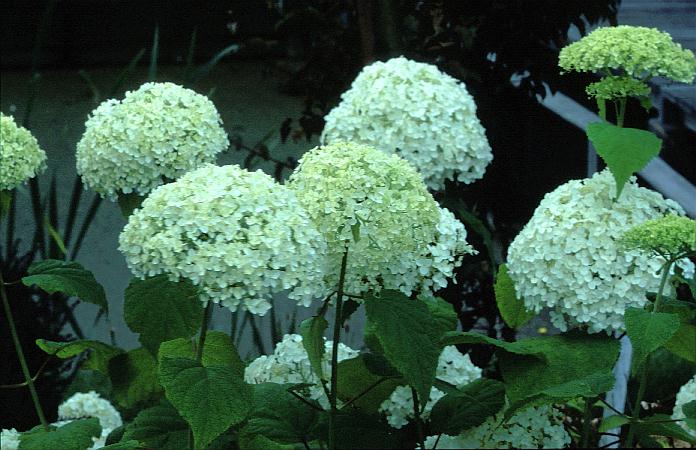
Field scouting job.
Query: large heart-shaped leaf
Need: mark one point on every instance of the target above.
(100, 353)
(648, 331)
(467, 407)
(134, 378)
(76, 435)
(158, 427)
(218, 350)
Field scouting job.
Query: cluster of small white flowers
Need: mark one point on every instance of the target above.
(21, 157)
(289, 364)
(417, 111)
(452, 367)
(9, 439)
(377, 206)
(85, 405)
(686, 394)
(238, 235)
(158, 132)
(540, 427)
(568, 258)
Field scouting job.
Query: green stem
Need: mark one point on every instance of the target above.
(665, 274)
(416, 412)
(20, 355)
(207, 312)
(586, 422)
(621, 112)
(334, 352)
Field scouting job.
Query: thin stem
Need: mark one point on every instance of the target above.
(334, 352)
(621, 112)
(366, 391)
(611, 407)
(586, 422)
(419, 422)
(20, 355)
(34, 378)
(665, 274)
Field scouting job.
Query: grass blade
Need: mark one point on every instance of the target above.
(90, 84)
(189, 54)
(51, 221)
(207, 67)
(126, 72)
(152, 71)
(72, 210)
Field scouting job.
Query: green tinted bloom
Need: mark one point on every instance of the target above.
(613, 87)
(636, 51)
(670, 236)
(21, 157)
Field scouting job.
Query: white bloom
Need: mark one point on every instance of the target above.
(686, 394)
(86, 405)
(156, 133)
(21, 157)
(568, 257)
(238, 235)
(418, 112)
(289, 364)
(452, 367)
(9, 439)
(540, 427)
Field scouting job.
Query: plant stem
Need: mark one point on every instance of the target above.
(586, 422)
(20, 355)
(199, 351)
(334, 352)
(665, 274)
(416, 412)
(621, 112)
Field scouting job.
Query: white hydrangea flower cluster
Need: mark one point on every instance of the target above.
(156, 133)
(9, 439)
(90, 404)
(238, 235)
(418, 112)
(452, 367)
(21, 157)
(289, 363)
(568, 258)
(540, 427)
(686, 394)
(377, 205)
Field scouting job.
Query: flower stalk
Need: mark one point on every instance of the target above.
(334, 352)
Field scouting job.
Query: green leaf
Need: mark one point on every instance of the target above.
(467, 407)
(625, 150)
(355, 430)
(348, 308)
(217, 351)
(86, 380)
(55, 235)
(510, 305)
(76, 435)
(683, 342)
(210, 399)
(408, 334)
(159, 427)
(521, 347)
(125, 445)
(134, 378)
(312, 332)
(129, 203)
(648, 331)
(611, 422)
(443, 313)
(70, 278)
(178, 310)
(99, 357)
(689, 409)
(663, 425)
(357, 380)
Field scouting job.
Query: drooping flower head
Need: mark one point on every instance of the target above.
(686, 394)
(289, 364)
(452, 367)
(569, 259)
(155, 134)
(418, 112)
(540, 427)
(377, 206)
(638, 52)
(90, 404)
(238, 235)
(670, 237)
(21, 157)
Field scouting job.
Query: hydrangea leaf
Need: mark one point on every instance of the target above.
(683, 342)
(218, 350)
(510, 305)
(624, 150)
(134, 378)
(521, 347)
(86, 380)
(67, 277)
(611, 422)
(443, 313)
(689, 409)
(76, 435)
(358, 382)
(178, 311)
(648, 331)
(357, 430)
(408, 334)
(210, 399)
(159, 427)
(125, 445)
(100, 353)
(663, 425)
(129, 203)
(312, 332)
(467, 407)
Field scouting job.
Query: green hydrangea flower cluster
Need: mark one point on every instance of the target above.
(21, 157)
(638, 52)
(613, 87)
(671, 237)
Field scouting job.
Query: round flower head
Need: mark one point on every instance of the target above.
(635, 51)
(21, 157)
(156, 133)
(289, 363)
(670, 237)
(418, 112)
(377, 207)
(90, 404)
(452, 367)
(540, 427)
(238, 235)
(686, 394)
(569, 258)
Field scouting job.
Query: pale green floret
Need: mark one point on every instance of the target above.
(155, 134)
(238, 235)
(21, 158)
(671, 237)
(639, 52)
(378, 207)
(614, 87)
